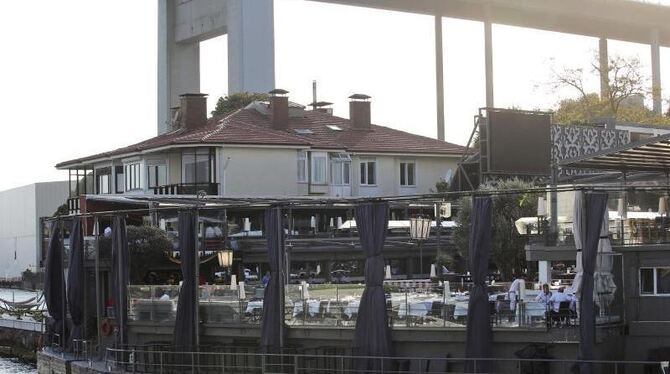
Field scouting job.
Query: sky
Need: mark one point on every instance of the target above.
(78, 77)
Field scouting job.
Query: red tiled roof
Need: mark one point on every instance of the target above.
(250, 127)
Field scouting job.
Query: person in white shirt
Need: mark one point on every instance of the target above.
(514, 292)
(544, 296)
(556, 299)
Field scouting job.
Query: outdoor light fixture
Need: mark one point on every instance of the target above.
(225, 257)
(419, 230)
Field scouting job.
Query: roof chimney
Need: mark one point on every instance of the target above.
(279, 109)
(192, 110)
(359, 111)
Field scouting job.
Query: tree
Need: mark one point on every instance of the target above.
(233, 102)
(622, 99)
(507, 245)
(148, 247)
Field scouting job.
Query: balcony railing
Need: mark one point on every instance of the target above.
(187, 189)
(73, 205)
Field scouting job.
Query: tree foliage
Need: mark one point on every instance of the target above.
(622, 99)
(233, 102)
(507, 245)
(148, 247)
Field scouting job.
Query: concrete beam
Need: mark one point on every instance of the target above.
(200, 20)
(251, 51)
(439, 77)
(656, 72)
(629, 21)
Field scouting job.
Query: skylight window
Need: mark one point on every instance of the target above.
(334, 127)
(303, 131)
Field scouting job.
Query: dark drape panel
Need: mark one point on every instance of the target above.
(186, 326)
(120, 265)
(273, 299)
(54, 282)
(479, 329)
(75, 279)
(596, 204)
(372, 337)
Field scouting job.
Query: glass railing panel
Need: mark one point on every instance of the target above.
(152, 303)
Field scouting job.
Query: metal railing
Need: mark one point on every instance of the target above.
(147, 360)
(187, 189)
(336, 305)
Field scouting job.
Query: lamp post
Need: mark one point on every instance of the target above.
(225, 257)
(419, 230)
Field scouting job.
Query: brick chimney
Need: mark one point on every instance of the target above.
(359, 111)
(279, 109)
(192, 110)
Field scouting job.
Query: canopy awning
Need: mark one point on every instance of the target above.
(651, 155)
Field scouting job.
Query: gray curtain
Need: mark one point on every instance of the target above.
(120, 265)
(273, 299)
(185, 326)
(595, 208)
(75, 279)
(478, 344)
(372, 336)
(54, 281)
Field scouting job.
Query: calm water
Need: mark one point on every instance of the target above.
(10, 365)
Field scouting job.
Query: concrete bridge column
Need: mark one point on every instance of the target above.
(656, 72)
(488, 57)
(603, 60)
(439, 77)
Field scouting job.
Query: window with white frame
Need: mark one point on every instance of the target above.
(407, 173)
(319, 168)
(340, 169)
(103, 179)
(655, 281)
(368, 169)
(132, 175)
(119, 177)
(302, 166)
(157, 175)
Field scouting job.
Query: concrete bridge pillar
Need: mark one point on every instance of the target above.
(656, 72)
(182, 25)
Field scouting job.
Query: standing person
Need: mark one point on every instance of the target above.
(514, 292)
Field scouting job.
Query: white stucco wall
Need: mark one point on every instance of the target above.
(429, 170)
(20, 210)
(259, 171)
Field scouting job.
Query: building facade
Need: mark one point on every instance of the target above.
(274, 148)
(20, 226)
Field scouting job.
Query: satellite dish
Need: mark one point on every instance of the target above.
(449, 176)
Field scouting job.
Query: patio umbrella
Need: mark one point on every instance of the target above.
(478, 344)
(596, 207)
(75, 279)
(120, 265)
(604, 286)
(186, 324)
(372, 336)
(54, 282)
(272, 325)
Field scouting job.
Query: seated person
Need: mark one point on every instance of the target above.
(556, 299)
(544, 296)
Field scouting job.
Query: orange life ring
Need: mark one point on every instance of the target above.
(106, 327)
